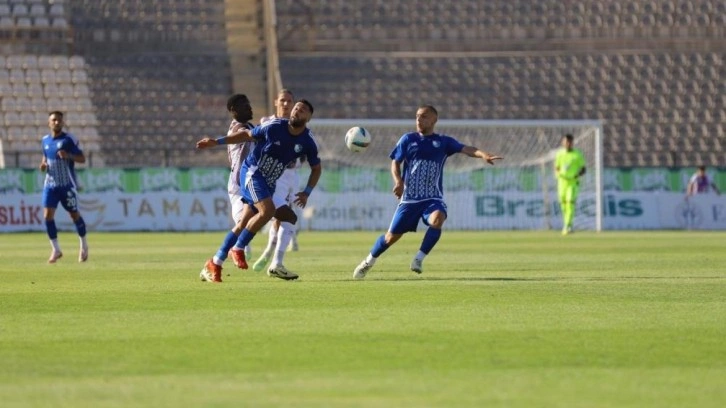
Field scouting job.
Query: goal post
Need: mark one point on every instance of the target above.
(519, 192)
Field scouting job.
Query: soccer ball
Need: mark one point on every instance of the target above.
(357, 139)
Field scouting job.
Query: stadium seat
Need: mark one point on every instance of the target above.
(56, 10)
(20, 10)
(37, 10)
(59, 22)
(12, 118)
(41, 22)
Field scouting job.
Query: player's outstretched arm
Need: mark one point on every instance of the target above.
(43, 164)
(472, 151)
(244, 135)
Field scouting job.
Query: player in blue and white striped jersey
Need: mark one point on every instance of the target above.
(60, 154)
(417, 169)
(287, 186)
(278, 143)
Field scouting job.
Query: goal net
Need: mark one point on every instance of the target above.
(519, 192)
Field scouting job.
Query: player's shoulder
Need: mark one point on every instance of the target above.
(446, 137)
(309, 136)
(273, 122)
(410, 136)
(236, 125)
(71, 137)
(266, 119)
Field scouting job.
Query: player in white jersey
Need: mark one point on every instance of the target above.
(700, 183)
(240, 109)
(287, 185)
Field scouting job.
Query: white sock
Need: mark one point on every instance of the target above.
(271, 242)
(284, 236)
(217, 261)
(420, 256)
(84, 243)
(370, 260)
(54, 244)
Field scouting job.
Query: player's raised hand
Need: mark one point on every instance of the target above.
(206, 142)
(490, 158)
(301, 199)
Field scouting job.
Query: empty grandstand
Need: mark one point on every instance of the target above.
(652, 71)
(130, 74)
(138, 73)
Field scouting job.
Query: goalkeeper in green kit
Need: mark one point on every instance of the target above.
(569, 166)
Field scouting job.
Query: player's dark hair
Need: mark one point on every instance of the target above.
(568, 137)
(59, 113)
(702, 168)
(430, 108)
(307, 103)
(286, 91)
(235, 99)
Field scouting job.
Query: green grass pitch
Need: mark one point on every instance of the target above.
(498, 319)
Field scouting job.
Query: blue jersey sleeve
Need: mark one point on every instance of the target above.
(260, 132)
(453, 146)
(399, 152)
(311, 152)
(73, 147)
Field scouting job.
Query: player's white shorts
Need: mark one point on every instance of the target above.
(237, 205)
(286, 188)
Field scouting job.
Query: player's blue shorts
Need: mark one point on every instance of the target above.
(407, 215)
(254, 189)
(67, 196)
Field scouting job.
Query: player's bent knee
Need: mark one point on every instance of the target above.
(437, 225)
(437, 221)
(266, 213)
